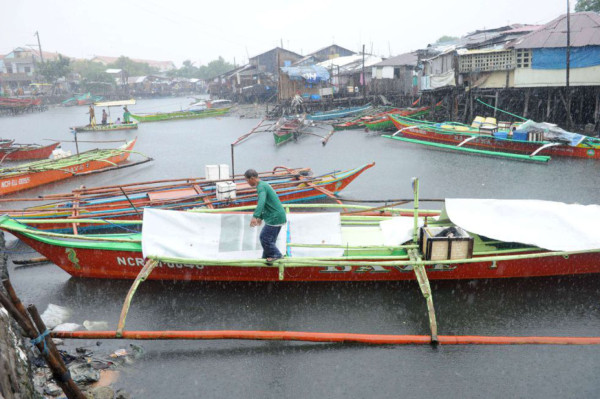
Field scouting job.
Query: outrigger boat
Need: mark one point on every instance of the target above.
(470, 239)
(287, 129)
(529, 141)
(338, 113)
(187, 114)
(6, 143)
(380, 120)
(21, 152)
(127, 202)
(33, 174)
(110, 126)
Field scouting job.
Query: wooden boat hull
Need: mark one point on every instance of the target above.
(25, 180)
(125, 264)
(27, 153)
(493, 144)
(105, 128)
(340, 113)
(181, 115)
(292, 192)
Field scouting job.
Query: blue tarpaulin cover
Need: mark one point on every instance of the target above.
(556, 58)
(310, 73)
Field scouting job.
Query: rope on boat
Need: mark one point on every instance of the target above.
(501, 110)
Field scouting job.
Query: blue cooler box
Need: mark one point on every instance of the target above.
(520, 135)
(500, 135)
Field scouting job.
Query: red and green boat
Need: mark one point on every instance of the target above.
(326, 246)
(543, 140)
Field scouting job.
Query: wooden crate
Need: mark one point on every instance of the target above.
(460, 246)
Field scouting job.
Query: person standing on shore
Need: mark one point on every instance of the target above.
(269, 210)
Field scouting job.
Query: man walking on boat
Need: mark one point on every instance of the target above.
(270, 210)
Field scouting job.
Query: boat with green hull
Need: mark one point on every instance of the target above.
(166, 116)
(109, 127)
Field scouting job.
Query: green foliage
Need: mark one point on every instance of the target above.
(133, 68)
(446, 38)
(91, 71)
(214, 68)
(55, 69)
(588, 5)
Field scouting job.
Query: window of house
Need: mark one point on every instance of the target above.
(27, 69)
(523, 58)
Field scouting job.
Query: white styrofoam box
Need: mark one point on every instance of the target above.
(224, 172)
(217, 172)
(212, 172)
(225, 190)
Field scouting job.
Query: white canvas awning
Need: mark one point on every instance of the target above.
(550, 225)
(191, 235)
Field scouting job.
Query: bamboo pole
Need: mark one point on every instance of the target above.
(142, 275)
(423, 281)
(376, 339)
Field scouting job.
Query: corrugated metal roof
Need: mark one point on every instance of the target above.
(585, 31)
(399, 60)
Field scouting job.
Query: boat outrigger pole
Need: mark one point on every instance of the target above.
(419, 267)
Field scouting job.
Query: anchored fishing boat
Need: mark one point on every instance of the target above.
(187, 114)
(287, 129)
(6, 143)
(126, 202)
(338, 113)
(21, 152)
(530, 140)
(110, 126)
(470, 239)
(33, 174)
(379, 120)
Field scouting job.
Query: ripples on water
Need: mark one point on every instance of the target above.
(541, 306)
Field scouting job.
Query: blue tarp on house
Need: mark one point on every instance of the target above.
(310, 73)
(556, 58)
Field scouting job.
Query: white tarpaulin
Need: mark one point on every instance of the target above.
(550, 225)
(398, 230)
(189, 235)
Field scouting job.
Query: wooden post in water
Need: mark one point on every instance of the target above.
(42, 340)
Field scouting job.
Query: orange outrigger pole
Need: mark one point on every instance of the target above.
(376, 339)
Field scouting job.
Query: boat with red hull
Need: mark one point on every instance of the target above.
(33, 174)
(127, 202)
(450, 134)
(366, 248)
(23, 152)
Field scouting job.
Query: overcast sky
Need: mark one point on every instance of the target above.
(202, 30)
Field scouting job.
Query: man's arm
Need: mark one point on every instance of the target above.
(260, 206)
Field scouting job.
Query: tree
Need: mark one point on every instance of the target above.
(215, 68)
(188, 70)
(133, 68)
(588, 5)
(55, 69)
(91, 71)
(93, 75)
(447, 38)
